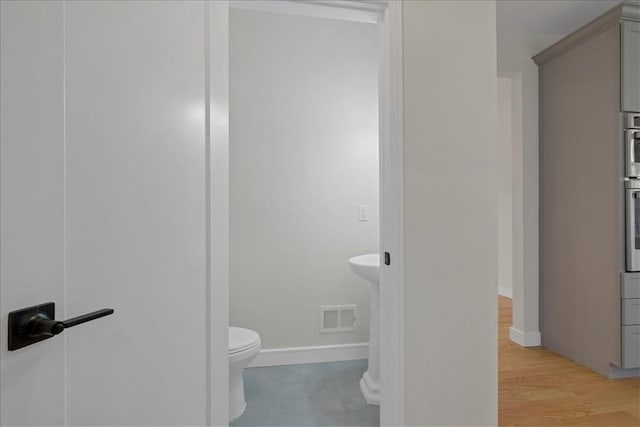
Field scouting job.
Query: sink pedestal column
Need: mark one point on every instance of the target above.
(370, 382)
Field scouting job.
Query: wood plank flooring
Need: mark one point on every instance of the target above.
(540, 388)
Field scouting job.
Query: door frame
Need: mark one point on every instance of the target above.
(388, 15)
(216, 74)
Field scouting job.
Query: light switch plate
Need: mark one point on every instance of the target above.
(363, 213)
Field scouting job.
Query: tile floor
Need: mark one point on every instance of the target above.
(317, 394)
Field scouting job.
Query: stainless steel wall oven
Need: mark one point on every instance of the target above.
(632, 190)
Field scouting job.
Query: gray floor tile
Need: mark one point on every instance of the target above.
(319, 394)
(292, 374)
(348, 371)
(357, 411)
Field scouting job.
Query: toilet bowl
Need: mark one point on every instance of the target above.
(244, 346)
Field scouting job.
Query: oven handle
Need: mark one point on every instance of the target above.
(630, 228)
(632, 135)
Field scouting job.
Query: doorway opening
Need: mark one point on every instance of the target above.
(309, 144)
(304, 194)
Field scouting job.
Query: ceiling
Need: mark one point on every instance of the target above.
(557, 17)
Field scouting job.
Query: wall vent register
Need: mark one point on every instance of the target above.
(338, 318)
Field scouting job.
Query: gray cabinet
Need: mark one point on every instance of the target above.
(630, 49)
(587, 81)
(631, 312)
(630, 320)
(631, 346)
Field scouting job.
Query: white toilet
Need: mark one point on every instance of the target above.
(244, 346)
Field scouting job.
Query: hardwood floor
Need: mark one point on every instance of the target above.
(540, 388)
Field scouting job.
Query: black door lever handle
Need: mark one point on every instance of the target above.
(40, 324)
(74, 321)
(33, 324)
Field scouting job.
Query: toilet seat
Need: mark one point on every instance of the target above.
(241, 339)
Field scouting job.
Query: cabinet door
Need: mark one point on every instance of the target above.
(631, 311)
(631, 346)
(630, 66)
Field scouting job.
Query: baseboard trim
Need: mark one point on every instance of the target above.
(525, 339)
(318, 354)
(618, 373)
(505, 292)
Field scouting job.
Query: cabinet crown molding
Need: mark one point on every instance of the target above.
(628, 10)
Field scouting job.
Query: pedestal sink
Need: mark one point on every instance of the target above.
(368, 268)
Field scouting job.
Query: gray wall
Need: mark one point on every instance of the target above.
(515, 49)
(450, 213)
(505, 187)
(304, 155)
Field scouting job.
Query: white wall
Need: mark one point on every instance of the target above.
(515, 50)
(450, 216)
(505, 188)
(304, 155)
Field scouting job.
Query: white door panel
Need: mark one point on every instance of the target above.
(136, 211)
(103, 177)
(31, 203)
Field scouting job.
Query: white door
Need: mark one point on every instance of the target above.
(104, 204)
